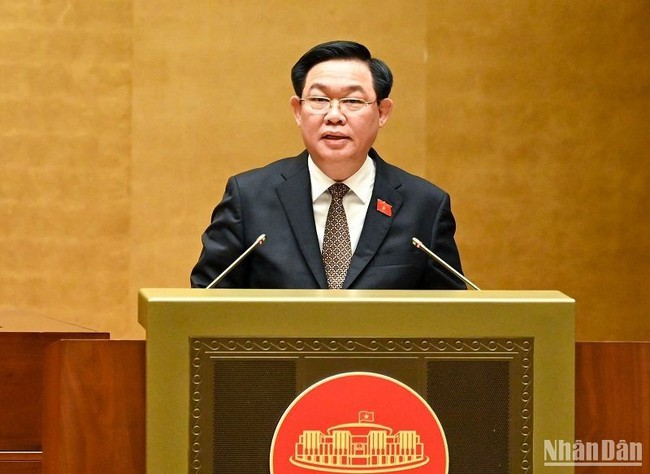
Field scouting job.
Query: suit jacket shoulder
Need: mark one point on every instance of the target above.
(400, 178)
(274, 173)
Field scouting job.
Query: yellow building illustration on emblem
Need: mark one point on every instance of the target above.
(362, 447)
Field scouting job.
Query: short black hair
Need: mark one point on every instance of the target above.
(381, 75)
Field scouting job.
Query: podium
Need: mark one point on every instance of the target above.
(23, 339)
(497, 368)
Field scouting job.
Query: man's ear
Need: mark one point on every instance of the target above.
(385, 108)
(297, 108)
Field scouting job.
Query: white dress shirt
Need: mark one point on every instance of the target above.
(355, 202)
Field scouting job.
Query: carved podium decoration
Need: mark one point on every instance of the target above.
(361, 447)
(231, 379)
(414, 438)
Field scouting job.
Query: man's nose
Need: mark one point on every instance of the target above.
(334, 114)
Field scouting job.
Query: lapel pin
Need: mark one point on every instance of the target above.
(384, 207)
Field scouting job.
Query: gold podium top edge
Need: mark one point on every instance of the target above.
(298, 296)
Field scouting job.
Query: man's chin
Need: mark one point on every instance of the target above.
(336, 150)
(336, 156)
(336, 147)
(338, 164)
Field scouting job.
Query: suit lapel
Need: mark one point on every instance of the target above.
(295, 197)
(376, 224)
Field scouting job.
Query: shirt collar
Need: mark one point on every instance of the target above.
(360, 183)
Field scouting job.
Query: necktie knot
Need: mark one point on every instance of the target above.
(338, 190)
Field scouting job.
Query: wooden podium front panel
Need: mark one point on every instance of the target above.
(94, 409)
(613, 397)
(23, 338)
(20, 463)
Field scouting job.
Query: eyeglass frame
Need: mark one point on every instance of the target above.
(342, 100)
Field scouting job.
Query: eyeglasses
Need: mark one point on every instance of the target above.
(346, 104)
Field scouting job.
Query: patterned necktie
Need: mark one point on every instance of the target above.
(337, 251)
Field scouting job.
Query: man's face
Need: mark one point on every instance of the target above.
(337, 140)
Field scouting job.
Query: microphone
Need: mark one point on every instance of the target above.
(259, 241)
(419, 245)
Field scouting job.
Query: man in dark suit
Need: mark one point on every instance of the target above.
(337, 215)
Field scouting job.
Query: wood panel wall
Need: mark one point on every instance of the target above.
(613, 398)
(24, 338)
(94, 415)
(95, 405)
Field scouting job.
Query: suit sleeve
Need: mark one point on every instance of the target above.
(222, 243)
(443, 244)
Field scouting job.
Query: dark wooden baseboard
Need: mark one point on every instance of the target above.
(94, 408)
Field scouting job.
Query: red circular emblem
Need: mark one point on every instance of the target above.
(361, 423)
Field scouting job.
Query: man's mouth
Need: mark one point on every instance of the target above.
(334, 136)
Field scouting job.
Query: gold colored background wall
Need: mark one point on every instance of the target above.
(121, 120)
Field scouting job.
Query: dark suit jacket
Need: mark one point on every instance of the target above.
(276, 200)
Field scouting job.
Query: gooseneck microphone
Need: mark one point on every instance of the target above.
(259, 241)
(419, 245)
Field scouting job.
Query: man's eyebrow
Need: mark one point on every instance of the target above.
(347, 89)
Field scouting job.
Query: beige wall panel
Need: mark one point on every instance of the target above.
(64, 160)
(211, 99)
(539, 118)
(120, 122)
